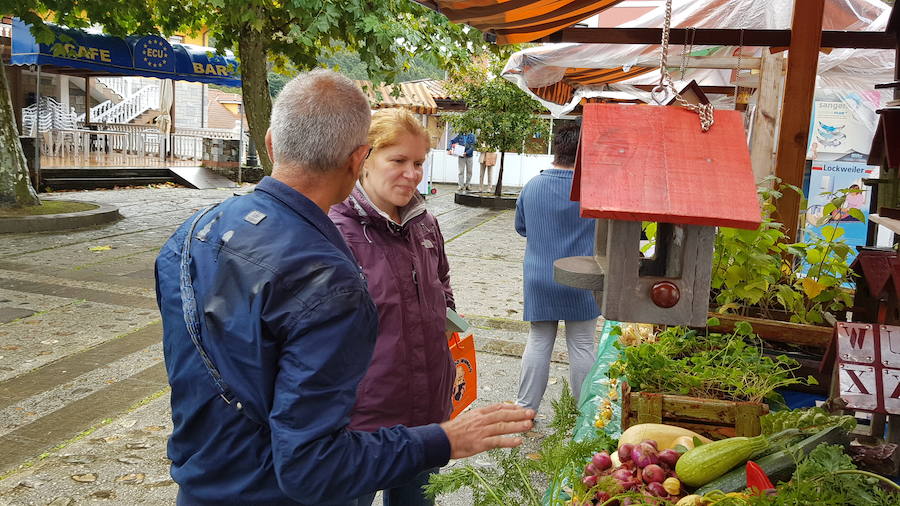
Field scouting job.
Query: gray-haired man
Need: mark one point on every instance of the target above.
(268, 329)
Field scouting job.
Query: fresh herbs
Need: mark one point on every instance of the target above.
(812, 419)
(712, 366)
(512, 477)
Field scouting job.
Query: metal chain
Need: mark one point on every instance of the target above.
(665, 79)
(737, 74)
(685, 51)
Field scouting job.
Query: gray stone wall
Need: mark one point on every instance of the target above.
(220, 153)
(188, 104)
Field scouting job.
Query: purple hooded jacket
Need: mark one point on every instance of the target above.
(410, 378)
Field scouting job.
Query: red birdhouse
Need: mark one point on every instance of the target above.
(654, 164)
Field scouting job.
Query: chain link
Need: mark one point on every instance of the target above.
(737, 74)
(665, 79)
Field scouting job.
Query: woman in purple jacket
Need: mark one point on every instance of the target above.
(401, 251)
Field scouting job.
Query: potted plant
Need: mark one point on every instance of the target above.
(788, 291)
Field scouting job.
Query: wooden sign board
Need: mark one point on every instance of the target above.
(868, 358)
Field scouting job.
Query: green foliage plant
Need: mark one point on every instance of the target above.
(728, 366)
(513, 476)
(760, 273)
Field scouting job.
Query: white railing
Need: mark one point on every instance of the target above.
(128, 109)
(98, 110)
(119, 85)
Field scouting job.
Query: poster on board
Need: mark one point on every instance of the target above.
(826, 181)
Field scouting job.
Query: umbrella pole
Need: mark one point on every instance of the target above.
(37, 132)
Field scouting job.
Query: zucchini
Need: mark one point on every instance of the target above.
(779, 466)
(705, 463)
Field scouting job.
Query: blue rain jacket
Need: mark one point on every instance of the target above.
(286, 321)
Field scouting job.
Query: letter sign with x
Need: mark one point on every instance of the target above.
(858, 386)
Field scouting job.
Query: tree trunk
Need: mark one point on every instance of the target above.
(15, 186)
(499, 189)
(255, 90)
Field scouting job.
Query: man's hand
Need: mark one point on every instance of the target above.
(484, 429)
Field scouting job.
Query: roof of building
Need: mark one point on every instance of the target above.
(219, 116)
(412, 95)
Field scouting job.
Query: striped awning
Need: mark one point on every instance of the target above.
(414, 96)
(562, 91)
(518, 21)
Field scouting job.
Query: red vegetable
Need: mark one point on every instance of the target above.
(590, 470)
(601, 461)
(643, 455)
(652, 443)
(589, 481)
(623, 475)
(657, 489)
(757, 479)
(669, 458)
(653, 474)
(625, 452)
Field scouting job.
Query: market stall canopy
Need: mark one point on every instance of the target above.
(560, 75)
(518, 21)
(78, 52)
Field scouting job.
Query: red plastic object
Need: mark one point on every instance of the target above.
(653, 163)
(757, 479)
(665, 294)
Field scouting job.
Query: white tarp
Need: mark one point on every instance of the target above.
(851, 70)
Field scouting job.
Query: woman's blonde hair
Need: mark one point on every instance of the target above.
(389, 124)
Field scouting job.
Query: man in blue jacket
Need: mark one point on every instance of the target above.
(268, 329)
(464, 161)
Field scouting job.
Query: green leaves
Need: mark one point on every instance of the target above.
(759, 269)
(712, 366)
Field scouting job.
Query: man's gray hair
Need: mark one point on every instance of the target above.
(318, 119)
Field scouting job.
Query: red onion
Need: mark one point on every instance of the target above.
(653, 474)
(590, 470)
(657, 489)
(625, 452)
(669, 457)
(622, 475)
(589, 481)
(651, 442)
(601, 461)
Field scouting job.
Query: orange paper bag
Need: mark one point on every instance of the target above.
(465, 388)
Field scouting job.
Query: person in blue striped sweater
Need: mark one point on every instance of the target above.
(553, 229)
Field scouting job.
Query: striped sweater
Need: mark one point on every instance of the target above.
(553, 229)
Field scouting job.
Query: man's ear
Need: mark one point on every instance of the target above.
(269, 145)
(358, 160)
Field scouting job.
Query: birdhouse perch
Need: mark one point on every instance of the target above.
(654, 164)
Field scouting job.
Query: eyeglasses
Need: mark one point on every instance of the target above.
(369, 152)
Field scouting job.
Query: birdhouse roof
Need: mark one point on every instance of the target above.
(652, 163)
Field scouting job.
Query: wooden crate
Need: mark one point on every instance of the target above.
(713, 418)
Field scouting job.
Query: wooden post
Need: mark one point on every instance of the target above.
(803, 59)
(87, 99)
(767, 115)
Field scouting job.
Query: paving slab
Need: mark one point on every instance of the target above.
(43, 338)
(124, 461)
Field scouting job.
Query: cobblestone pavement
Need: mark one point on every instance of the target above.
(84, 404)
